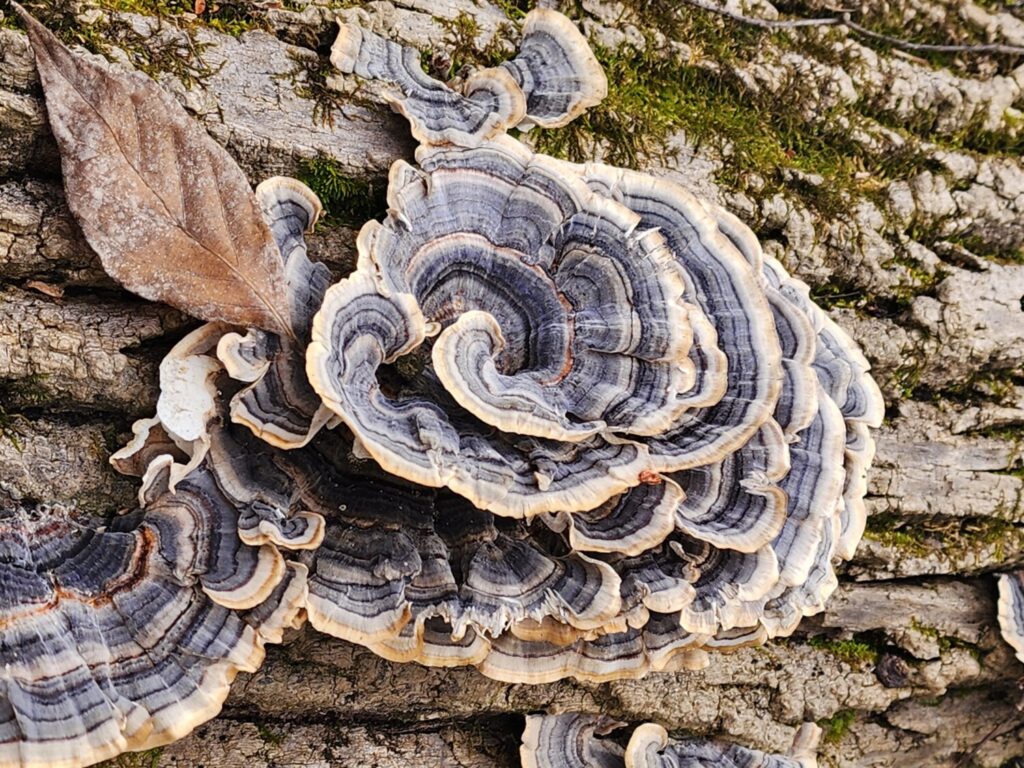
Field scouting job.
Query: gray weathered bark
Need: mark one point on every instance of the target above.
(905, 668)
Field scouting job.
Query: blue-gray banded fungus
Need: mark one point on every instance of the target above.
(561, 421)
(576, 740)
(1011, 611)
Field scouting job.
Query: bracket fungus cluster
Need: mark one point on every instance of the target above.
(1011, 611)
(561, 420)
(576, 740)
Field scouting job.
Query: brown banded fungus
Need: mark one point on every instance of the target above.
(561, 420)
(577, 740)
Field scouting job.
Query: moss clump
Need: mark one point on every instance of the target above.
(837, 726)
(10, 430)
(461, 53)
(839, 294)
(310, 80)
(979, 246)
(148, 759)
(516, 10)
(950, 539)
(854, 652)
(232, 17)
(153, 54)
(895, 532)
(347, 201)
(269, 735)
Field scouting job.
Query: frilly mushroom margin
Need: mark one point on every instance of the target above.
(608, 434)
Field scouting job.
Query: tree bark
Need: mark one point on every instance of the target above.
(904, 668)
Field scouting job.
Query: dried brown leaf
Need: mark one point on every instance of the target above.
(170, 214)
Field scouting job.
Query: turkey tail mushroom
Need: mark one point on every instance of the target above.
(573, 740)
(1011, 611)
(552, 80)
(127, 636)
(586, 427)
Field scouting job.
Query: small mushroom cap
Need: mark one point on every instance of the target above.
(552, 80)
(357, 589)
(508, 581)
(728, 586)
(432, 643)
(629, 524)
(279, 406)
(436, 113)
(650, 747)
(737, 503)
(787, 605)
(245, 471)
(1011, 611)
(556, 70)
(627, 655)
(166, 448)
(570, 741)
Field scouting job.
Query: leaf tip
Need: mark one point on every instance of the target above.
(22, 13)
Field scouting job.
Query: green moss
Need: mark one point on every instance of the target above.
(854, 652)
(979, 246)
(652, 96)
(516, 10)
(27, 392)
(956, 539)
(310, 80)
(897, 533)
(10, 430)
(347, 201)
(148, 759)
(462, 53)
(231, 17)
(945, 642)
(154, 55)
(839, 294)
(270, 736)
(837, 726)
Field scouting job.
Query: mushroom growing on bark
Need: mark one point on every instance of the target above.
(574, 740)
(561, 420)
(1011, 611)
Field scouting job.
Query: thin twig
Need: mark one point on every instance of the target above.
(1012, 50)
(763, 23)
(966, 759)
(896, 42)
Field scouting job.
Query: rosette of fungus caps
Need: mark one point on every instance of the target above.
(597, 352)
(561, 420)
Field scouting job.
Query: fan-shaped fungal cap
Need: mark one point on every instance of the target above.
(117, 638)
(572, 741)
(650, 747)
(278, 405)
(1011, 610)
(532, 351)
(552, 80)
(556, 70)
(436, 113)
